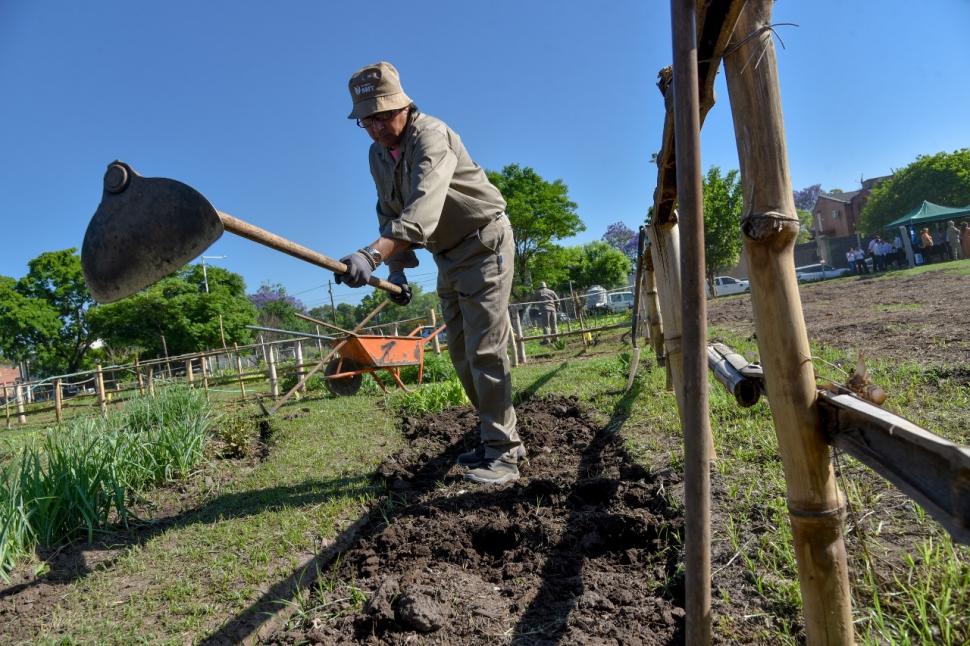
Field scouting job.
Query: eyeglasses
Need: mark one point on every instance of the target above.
(380, 117)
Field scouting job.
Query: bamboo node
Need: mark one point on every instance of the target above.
(758, 226)
(673, 345)
(816, 514)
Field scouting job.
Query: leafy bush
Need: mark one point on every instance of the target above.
(437, 368)
(235, 431)
(433, 398)
(314, 383)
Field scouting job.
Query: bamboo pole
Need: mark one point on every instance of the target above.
(436, 343)
(519, 341)
(151, 381)
(58, 401)
(579, 314)
(140, 378)
(300, 370)
(204, 366)
(99, 387)
(770, 226)
(319, 342)
(514, 354)
(21, 414)
(274, 385)
(696, 422)
(188, 372)
(6, 405)
(239, 369)
(654, 319)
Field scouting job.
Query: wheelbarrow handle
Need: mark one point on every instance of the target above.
(273, 241)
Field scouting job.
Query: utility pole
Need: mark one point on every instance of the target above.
(333, 308)
(205, 280)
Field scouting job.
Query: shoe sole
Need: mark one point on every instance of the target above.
(470, 477)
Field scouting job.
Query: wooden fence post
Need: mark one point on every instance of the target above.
(579, 314)
(204, 367)
(6, 404)
(320, 342)
(58, 401)
(435, 343)
(769, 228)
(21, 414)
(99, 389)
(188, 372)
(695, 418)
(274, 385)
(140, 378)
(300, 368)
(519, 342)
(239, 369)
(654, 319)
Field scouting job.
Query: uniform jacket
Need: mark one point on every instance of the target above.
(434, 195)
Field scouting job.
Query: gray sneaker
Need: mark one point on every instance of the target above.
(477, 455)
(498, 471)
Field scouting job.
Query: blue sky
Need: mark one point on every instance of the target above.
(247, 102)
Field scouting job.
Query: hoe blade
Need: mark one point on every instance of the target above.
(144, 229)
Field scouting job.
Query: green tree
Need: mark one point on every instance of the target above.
(178, 308)
(43, 316)
(601, 264)
(943, 178)
(540, 211)
(806, 224)
(722, 221)
(552, 266)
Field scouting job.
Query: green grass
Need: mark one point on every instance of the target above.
(910, 583)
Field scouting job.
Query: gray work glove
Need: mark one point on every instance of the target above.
(359, 268)
(399, 279)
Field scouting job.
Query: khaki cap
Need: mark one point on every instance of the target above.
(376, 88)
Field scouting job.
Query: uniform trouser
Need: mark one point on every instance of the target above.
(549, 323)
(474, 283)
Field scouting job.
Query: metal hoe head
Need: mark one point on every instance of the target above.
(144, 229)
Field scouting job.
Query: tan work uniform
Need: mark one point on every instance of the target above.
(549, 323)
(435, 196)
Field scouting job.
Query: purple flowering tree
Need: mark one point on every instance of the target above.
(621, 237)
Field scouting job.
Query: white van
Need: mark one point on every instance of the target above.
(620, 301)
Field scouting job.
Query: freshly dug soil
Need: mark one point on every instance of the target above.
(582, 549)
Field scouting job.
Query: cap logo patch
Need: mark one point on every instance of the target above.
(363, 89)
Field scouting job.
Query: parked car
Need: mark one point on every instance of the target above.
(811, 273)
(620, 302)
(727, 285)
(596, 298)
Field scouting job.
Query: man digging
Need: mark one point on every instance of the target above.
(431, 194)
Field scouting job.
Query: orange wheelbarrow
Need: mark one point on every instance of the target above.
(366, 354)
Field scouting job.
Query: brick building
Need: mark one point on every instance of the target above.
(9, 374)
(836, 214)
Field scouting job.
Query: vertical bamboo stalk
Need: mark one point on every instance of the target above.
(579, 314)
(168, 366)
(320, 342)
(652, 303)
(140, 378)
(696, 422)
(514, 354)
(770, 226)
(239, 370)
(665, 254)
(300, 368)
(21, 413)
(99, 387)
(435, 343)
(6, 404)
(274, 384)
(58, 401)
(188, 372)
(517, 331)
(151, 381)
(204, 367)
(395, 331)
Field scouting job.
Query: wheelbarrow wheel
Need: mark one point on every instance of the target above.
(344, 386)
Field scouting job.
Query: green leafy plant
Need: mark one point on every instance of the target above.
(433, 398)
